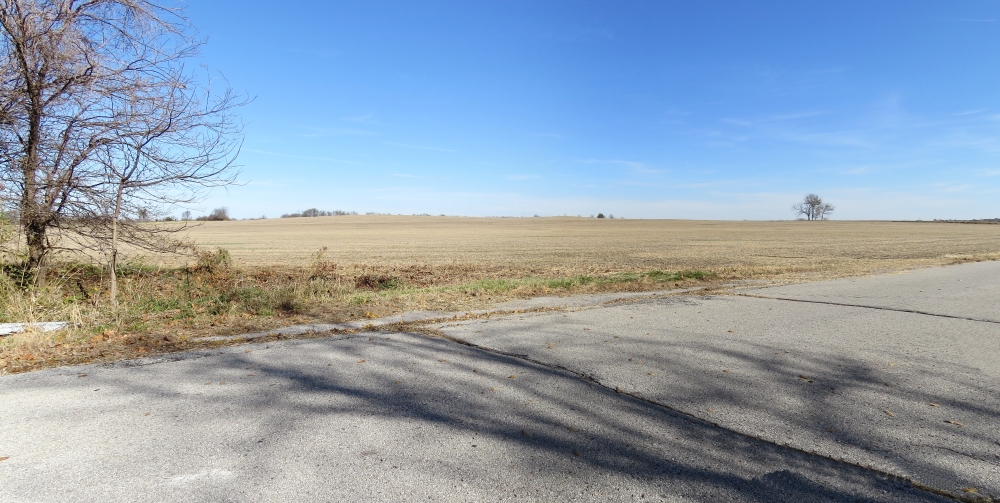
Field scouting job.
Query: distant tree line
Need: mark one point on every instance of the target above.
(217, 215)
(973, 221)
(313, 212)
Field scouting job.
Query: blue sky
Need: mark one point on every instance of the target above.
(643, 109)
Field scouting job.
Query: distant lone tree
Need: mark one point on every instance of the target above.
(600, 215)
(812, 207)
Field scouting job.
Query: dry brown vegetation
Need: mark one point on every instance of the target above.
(516, 247)
(329, 269)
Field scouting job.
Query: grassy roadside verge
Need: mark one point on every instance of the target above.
(172, 309)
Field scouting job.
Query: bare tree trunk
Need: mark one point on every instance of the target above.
(32, 216)
(34, 234)
(114, 247)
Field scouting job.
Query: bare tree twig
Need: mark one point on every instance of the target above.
(101, 125)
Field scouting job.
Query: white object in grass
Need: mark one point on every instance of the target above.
(45, 326)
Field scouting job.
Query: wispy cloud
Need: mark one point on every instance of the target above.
(421, 147)
(968, 141)
(737, 122)
(638, 167)
(831, 139)
(270, 183)
(328, 132)
(613, 161)
(522, 177)
(972, 112)
(773, 118)
(404, 175)
(951, 187)
(794, 116)
(860, 170)
(368, 118)
(279, 154)
(989, 172)
(632, 183)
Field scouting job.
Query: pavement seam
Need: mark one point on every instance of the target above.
(977, 458)
(428, 331)
(844, 304)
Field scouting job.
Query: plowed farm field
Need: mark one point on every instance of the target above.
(566, 246)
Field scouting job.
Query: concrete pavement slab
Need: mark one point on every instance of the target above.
(965, 291)
(381, 417)
(619, 398)
(907, 393)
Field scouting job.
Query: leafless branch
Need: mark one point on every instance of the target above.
(101, 123)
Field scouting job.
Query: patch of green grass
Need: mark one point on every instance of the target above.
(491, 286)
(256, 300)
(664, 276)
(361, 298)
(391, 283)
(570, 282)
(159, 305)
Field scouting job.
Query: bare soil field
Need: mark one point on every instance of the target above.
(262, 274)
(570, 246)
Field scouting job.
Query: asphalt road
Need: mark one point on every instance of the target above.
(740, 397)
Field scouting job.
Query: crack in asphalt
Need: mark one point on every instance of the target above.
(880, 308)
(960, 453)
(428, 331)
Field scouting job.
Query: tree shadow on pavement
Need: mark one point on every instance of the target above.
(447, 414)
(926, 418)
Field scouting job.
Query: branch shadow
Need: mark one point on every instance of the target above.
(388, 402)
(933, 420)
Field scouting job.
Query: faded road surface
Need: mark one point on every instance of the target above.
(834, 391)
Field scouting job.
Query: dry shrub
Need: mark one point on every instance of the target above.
(376, 282)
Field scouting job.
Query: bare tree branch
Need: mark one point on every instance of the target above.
(100, 121)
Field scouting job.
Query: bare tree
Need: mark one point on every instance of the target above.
(164, 150)
(824, 210)
(812, 207)
(99, 119)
